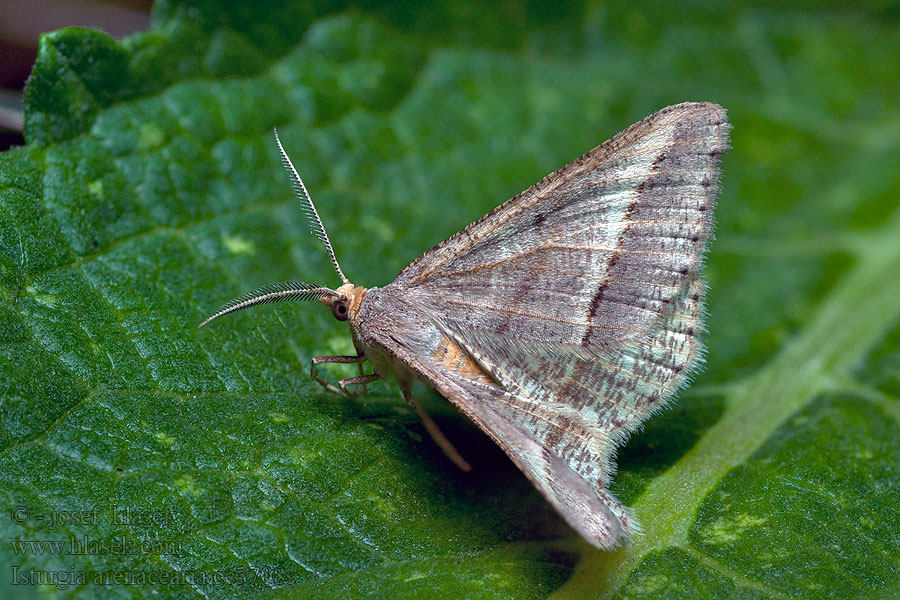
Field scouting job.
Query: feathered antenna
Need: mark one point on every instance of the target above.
(273, 292)
(312, 215)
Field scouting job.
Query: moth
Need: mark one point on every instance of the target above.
(559, 321)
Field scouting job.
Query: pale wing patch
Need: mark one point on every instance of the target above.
(449, 356)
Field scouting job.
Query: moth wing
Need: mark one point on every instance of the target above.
(389, 326)
(593, 253)
(561, 432)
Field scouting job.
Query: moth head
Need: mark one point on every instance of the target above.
(344, 301)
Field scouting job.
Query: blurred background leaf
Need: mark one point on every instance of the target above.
(150, 191)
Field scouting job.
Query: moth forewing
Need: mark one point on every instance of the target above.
(562, 319)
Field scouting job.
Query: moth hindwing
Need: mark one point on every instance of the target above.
(562, 319)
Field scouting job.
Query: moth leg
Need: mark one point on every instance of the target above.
(365, 388)
(318, 360)
(359, 380)
(439, 438)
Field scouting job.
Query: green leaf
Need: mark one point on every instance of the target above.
(171, 462)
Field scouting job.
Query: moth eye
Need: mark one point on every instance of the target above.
(340, 310)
